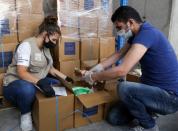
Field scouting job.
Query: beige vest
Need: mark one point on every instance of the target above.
(40, 63)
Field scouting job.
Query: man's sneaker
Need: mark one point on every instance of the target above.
(139, 128)
(26, 122)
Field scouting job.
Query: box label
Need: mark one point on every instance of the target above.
(105, 5)
(69, 48)
(90, 111)
(88, 4)
(4, 27)
(5, 58)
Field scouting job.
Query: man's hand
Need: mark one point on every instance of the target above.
(68, 79)
(97, 68)
(45, 86)
(87, 77)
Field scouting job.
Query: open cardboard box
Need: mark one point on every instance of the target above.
(89, 107)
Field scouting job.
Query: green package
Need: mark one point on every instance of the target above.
(78, 90)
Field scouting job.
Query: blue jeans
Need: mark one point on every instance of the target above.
(21, 93)
(140, 101)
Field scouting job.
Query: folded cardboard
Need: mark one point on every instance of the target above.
(30, 6)
(6, 55)
(88, 64)
(28, 25)
(1, 82)
(68, 67)
(55, 113)
(67, 49)
(107, 46)
(89, 49)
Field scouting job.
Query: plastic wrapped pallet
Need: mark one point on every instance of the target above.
(85, 18)
(7, 21)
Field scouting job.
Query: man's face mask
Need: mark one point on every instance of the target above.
(49, 44)
(126, 34)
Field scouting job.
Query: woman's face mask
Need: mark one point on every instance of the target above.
(52, 42)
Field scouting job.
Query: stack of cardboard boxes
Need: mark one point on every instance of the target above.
(19, 20)
(30, 16)
(67, 56)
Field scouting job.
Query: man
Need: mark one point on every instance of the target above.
(158, 90)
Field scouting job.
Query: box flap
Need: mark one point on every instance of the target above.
(94, 99)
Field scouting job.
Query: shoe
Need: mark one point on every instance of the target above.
(139, 128)
(26, 122)
(134, 123)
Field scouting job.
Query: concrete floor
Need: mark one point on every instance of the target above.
(9, 121)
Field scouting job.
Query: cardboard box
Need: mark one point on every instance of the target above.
(70, 31)
(68, 67)
(85, 5)
(89, 49)
(107, 46)
(86, 65)
(30, 7)
(69, 23)
(105, 26)
(67, 50)
(1, 82)
(88, 25)
(68, 5)
(91, 105)
(111, 87)
(8, 22)
(51, 114)
(6, 55)
(86, 116)
(28, 25)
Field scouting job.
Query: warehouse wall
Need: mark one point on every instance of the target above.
(156, 12)
(173, 35)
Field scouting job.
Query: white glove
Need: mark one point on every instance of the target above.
(97, 68)
(87, 77)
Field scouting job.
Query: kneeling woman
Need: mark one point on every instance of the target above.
(30, 66)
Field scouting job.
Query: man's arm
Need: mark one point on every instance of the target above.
(132, 57)
(116, 56)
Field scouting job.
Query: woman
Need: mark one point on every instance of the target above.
(31, 64)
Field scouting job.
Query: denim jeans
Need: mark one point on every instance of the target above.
(21, 93)
(140, 101)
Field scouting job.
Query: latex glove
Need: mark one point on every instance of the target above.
(87, 77)
(68, 79)
(46, 88)
(97, 68)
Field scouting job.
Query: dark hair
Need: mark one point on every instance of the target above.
(50, 25)
(124, 13)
